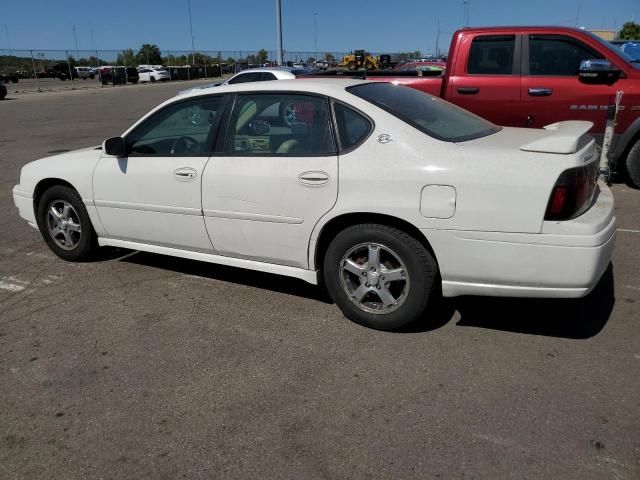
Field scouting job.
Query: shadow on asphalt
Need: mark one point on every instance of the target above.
(580, 318)
(564, 318)
(241, 276)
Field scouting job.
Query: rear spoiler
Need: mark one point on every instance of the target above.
(564, 137)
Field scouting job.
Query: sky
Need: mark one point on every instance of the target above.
(236, 25)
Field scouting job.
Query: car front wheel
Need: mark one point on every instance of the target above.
(65, 225)
(379, 276)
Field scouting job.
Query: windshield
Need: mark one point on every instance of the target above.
(615, 51)
(429, 114)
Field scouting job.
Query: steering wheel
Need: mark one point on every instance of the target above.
(184, 144)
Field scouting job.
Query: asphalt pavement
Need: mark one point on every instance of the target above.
(146, 366)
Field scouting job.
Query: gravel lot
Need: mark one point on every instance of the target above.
(144, 366)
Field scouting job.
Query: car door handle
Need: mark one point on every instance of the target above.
(313, 178)
(185, 173)
(468, 90)
(540, 92)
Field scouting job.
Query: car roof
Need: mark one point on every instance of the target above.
(324, 86)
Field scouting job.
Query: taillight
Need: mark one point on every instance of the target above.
(572, 193)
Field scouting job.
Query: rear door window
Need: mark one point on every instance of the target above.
(492, 55)
(558, 55)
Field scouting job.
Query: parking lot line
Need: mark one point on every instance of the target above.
(626, 230)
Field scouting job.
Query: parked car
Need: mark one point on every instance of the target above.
(535, 76)
(59, 70)
(153, 75)
(85, 72)
(256, 75)
(3, 90)
(9, 77)
(122, 75)
(430, 196)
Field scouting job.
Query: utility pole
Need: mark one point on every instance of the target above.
(75, 39)
(280, 58)
(315, 36)
(437, 39)
(193, 48)
(6, 31)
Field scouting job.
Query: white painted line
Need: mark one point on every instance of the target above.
(627, 230)
(631, 287)
(12, 287)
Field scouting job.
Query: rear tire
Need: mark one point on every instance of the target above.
(153, 79)
(633, 165)
(379, 276)
(352, 65)
(65, 225)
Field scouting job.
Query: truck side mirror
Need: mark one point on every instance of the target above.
(115, 146)
(596, 71)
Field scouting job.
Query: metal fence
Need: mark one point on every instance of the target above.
(32, 70)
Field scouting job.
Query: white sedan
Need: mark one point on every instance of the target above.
(153, 75)
(384, 193)
(255, 75)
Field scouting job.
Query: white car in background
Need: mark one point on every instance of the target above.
(261, 74)
(384, 192)
(85, 72)
(153, 75)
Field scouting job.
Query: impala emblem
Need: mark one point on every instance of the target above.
(384, 138)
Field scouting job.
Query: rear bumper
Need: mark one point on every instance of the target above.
(566, 260)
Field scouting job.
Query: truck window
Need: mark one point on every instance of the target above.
(492, 55)
(557, 55)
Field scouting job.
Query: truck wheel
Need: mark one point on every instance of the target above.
(65, 225)
(351, 65)
(369, 66)
(633, 165)
(379, 276)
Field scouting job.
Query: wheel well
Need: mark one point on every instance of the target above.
(335, 225)
(43, 186)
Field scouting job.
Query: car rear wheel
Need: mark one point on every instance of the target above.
(153, 79)
(379, 276)
(65, 225)
(633, 165)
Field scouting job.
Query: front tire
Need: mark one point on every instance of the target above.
(65, 224)
(153, 79)
(379, 276)
(633, 165)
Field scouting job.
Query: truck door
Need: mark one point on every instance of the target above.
(551, 88)
(487, 82)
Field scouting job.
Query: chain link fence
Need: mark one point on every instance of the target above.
(42, 70)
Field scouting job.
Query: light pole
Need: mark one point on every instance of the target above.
(75, 39)
(193, 48)
(315, 36)
(280, 58)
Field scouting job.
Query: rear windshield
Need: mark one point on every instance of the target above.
(429, 114)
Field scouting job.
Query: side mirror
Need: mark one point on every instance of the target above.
(115, 146)
(598, 72)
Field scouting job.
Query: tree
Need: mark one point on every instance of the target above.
(630, 31)
(149, 54)
(262, 56)
(127, 57)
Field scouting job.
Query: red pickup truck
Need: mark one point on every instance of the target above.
(535, 76)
